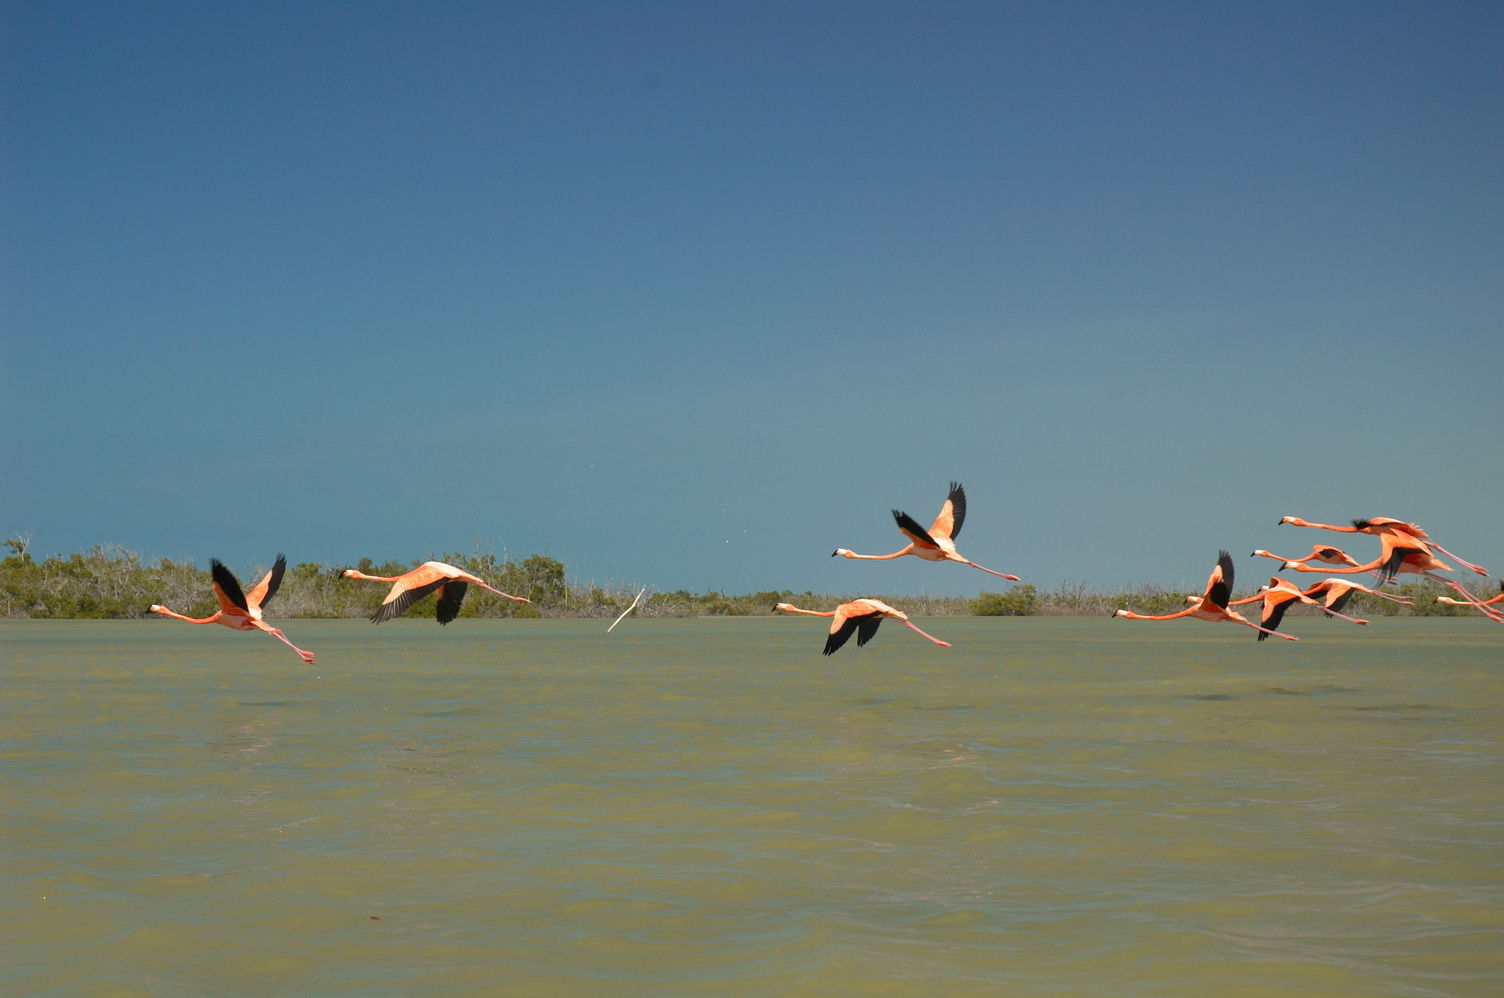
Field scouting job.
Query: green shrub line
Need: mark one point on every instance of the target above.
(110, 582)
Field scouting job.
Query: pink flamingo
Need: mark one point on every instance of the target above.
(1457, 602)
(1278, 596)
(1212, 606)
(239, 611)
(936, 544)
(860, 617)
(450, 583)
(1337, 592)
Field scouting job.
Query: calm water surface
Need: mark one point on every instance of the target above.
(708, 807)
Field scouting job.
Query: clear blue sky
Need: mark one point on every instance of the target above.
(695, 293)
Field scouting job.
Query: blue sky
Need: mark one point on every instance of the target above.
(694, 294)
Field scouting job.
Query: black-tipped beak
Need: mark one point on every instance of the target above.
(835, 552)
(1253, 554)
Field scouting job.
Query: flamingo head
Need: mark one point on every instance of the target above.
(840, 551)
(782, 606)
(1295, 520)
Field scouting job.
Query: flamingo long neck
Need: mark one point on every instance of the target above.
(353, 574)
(214, 619)
(877, 557)
(790, 608)
(1167, 616)
(1298, 522)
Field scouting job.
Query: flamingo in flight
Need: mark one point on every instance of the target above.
(1404, 548)
(1337, 592)
(936, 544)
(1457, 602)
(1212, 606)
(860, 617)
(238, 610)
(1278, 596)
(1323, 553)
(449, 582)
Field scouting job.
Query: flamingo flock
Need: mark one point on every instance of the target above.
(1404, 548)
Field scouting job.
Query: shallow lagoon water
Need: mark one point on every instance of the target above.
(708, 807)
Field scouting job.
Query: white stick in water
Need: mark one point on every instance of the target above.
(626, 611)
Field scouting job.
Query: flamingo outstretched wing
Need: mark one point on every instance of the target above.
(451, 595)
(952, 514)
(914, 531)
(843, 627)
(227, 587)
(1336, 600)
(1274, 612)
(1219, 585)
(407, 590)
(267, 587)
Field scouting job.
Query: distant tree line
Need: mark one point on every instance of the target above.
(109, 582)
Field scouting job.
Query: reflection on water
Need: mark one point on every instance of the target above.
(708, 807)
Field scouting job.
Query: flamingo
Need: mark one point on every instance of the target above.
(1337, 592)
(936, 544)
(860, 617)
(1212, 606)
(1278, 596)
(238, 610)
(1457, 602)
(1401, 551)
(1319, 552)
(451, 584)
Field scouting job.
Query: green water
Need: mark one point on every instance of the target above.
(708, 807)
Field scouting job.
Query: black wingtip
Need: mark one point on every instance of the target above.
(1262, 635)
